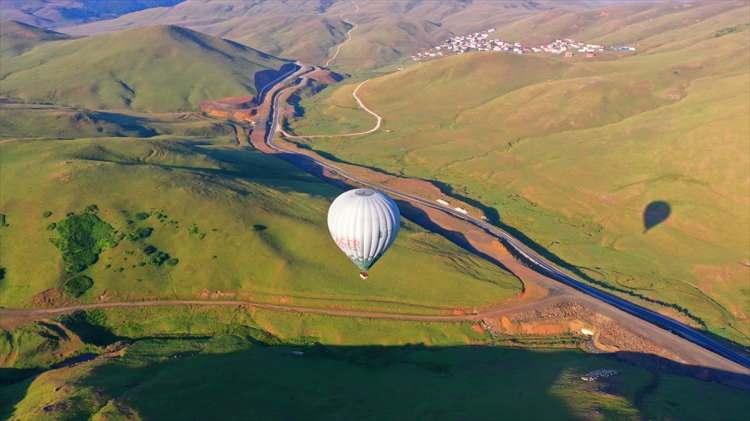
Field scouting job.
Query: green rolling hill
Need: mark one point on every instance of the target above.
(287, 29)
(387, 32)
(571, 152)
(254, 228)
(309, 30)
(17, 37)
(161, 68)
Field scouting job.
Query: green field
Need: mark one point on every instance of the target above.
(28, 121)
(254, 228)
(570, 152)
(209, 363)
(160, 68)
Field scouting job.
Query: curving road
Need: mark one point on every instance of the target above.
(531, 258)
(348, 38)
(260, 96)
(378, 121)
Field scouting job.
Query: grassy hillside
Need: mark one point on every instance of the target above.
(389, 31)
(162, 68)
(226, 359)
(309, 30)
(23, 121)
(17, 37)
(255, 229)
(287, 29)
(571, 152)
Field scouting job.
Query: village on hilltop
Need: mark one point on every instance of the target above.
(481, 41)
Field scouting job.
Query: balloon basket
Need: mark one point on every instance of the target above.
(363, 275)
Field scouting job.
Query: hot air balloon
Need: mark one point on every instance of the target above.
(363, 223)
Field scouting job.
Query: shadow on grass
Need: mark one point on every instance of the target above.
(223, 166)
(132, 126)
(391, 382)
(13, 385)
(206, 379)
(296, 102)
(655, 213)
(262, 78)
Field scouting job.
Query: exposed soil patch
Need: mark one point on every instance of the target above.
(52, 297)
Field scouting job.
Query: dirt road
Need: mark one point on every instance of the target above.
(378, 121)
(494, 311)
(348, 37)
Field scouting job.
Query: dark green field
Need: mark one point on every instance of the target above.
(229, 365)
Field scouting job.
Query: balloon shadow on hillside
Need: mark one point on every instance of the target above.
(655, 213)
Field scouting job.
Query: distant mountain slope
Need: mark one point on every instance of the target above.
(55, 13)
(387, 31)
(161, 68)
(288, 29)
(17, 37)
(309, 30)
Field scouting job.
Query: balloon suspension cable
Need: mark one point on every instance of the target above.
(363, 274)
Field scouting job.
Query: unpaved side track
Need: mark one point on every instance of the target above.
(348, 37)
(378, 121)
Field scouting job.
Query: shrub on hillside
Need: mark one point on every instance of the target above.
(140, 233)
(77, 286)
(195, 231)
(159, 257)
(81, 238)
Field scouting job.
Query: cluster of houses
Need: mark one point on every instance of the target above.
(482, 41)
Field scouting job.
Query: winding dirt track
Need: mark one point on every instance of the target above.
(495, 311)
(378, 121)
(348, 38)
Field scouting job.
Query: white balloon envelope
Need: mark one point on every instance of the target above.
(363, 223)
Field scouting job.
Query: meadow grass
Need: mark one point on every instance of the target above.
(201, 204)
(28, 121)
(223, 366)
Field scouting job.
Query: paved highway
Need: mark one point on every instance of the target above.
(527, 255)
